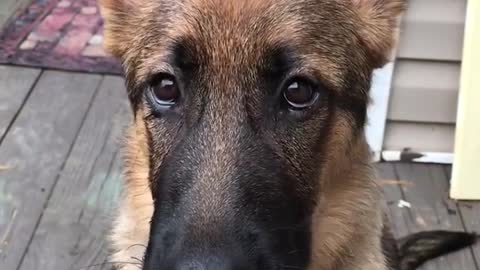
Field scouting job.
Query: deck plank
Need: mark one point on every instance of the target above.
(393, 194)
(87, 189)
(470, 213)
(15, 85)
(431, 208)
(36, 148)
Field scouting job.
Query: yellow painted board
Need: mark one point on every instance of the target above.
(466, 164)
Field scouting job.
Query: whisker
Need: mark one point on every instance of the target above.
(136, 245)
(137, 259)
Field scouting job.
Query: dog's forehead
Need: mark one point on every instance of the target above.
(253, 21)
(248, 25)
(244, 32)
(234, 12)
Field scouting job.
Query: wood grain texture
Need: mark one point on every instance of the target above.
(470, 214)
(76, 220)
(393, 194)
(15, 85)
(35, 149)
(427, 192)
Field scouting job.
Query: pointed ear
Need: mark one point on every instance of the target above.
(116, 15)
(379, 27)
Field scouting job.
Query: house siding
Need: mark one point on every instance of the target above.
(424, 94)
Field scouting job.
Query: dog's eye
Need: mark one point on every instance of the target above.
(300, 94)
(164, 90)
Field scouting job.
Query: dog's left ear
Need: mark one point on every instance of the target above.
(379, 27)
(118, 17)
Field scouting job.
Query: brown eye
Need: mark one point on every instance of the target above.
(300, 94)
(165, 91)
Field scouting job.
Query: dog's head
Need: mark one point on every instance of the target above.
(246, 106)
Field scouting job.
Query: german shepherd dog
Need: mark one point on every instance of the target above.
(248, 150)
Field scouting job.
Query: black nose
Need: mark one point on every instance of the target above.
(202, 254)
(208, 262)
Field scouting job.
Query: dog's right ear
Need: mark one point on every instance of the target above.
(378, 27)
(118, 33)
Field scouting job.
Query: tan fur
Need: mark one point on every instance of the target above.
(348, 222)
(132, 227)
(380, 27)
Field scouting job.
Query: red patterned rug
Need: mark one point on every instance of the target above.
(57, 34)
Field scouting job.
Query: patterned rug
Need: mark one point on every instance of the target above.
(57, 34)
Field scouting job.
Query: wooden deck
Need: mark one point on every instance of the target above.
(60, 175)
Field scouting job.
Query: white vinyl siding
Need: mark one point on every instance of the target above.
(423, 99)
